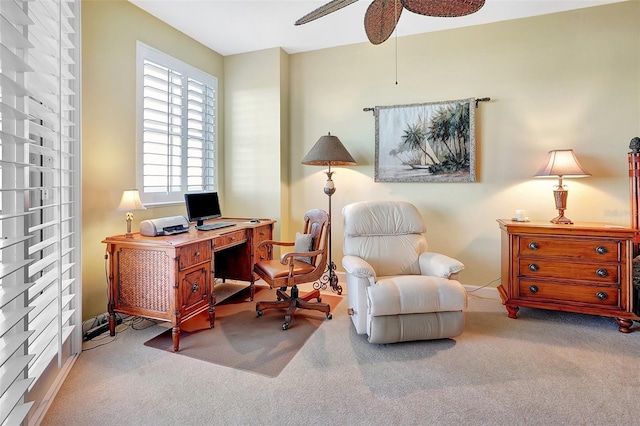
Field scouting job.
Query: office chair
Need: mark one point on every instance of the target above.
(306, 263)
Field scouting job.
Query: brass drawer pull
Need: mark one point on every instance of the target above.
(533, 289)
(197, 254)
(601, 295)
(601, 272)
(601, 250)
(533, 267)
(534, 246)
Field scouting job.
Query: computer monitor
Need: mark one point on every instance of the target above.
(202, 206)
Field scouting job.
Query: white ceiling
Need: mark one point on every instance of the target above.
(238, 26)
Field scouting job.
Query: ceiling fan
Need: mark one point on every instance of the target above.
(382, 16)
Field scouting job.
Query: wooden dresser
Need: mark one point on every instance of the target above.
(585, 268)
(171, 278)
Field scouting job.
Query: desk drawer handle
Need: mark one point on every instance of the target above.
(194, 287)
(601, 295)
(533, 267)
(197, 254)
(601, 250)
(601, 272)
(534, 246)
(533, 289)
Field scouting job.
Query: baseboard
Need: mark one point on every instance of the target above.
(481, 291)
(38, 416)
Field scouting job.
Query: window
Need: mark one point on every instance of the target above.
(176, 128)
(40, 302)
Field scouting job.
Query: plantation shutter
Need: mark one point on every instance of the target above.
(39, 201)
(177, 127)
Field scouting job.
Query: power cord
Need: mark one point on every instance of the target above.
(484, 286)
(124, 324)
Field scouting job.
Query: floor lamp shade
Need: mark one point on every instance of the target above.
(561, 163)
(328, 151)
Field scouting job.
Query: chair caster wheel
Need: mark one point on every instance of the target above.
(285, 325)
(259, 313)
(329, 316)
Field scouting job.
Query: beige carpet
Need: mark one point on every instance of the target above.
(241, 339)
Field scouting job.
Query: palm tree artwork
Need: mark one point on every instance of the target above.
(431, 142)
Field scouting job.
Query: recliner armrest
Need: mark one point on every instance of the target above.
(439, 265)
(358, 267)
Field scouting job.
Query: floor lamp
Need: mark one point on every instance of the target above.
(329, 151)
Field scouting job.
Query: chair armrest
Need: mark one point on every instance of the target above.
(275, 243)
(288, 257)
(439, 265)
(358, 267)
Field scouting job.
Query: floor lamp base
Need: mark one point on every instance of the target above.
(329, 278)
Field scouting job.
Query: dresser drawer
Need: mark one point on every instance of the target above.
(594, 295)
(594, 272)
(194, 254)
(229, 239)
(601, 251)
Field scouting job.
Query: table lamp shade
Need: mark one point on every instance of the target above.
(562, 162)
(130, 201)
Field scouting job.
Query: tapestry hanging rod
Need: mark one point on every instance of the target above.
(487, 99)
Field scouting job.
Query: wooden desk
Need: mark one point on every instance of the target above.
(171, 278)
(583, 268)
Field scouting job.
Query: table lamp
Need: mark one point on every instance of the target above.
(329, 151)
(130, 201)
(561, 163)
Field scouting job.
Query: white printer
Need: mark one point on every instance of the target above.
(164, 226)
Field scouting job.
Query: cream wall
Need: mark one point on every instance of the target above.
(110, 30)
(568, 80)
(256, 109)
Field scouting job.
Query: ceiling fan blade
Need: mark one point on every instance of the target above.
(381, 19)
(443, 8)
(324, 10)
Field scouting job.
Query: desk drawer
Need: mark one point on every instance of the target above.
(262, 233)
(230, 239)
(194, 254)
(194, 289)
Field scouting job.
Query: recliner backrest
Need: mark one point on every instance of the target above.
(387, 234)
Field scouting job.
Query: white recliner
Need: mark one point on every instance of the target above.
(398, 291)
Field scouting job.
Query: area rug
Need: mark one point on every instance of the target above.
(241, 339)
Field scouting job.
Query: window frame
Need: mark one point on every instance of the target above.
(146, 52)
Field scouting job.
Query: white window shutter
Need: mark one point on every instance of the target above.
(177, 128)
(40, 199)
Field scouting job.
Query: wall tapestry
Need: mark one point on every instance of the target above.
(430, 142)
